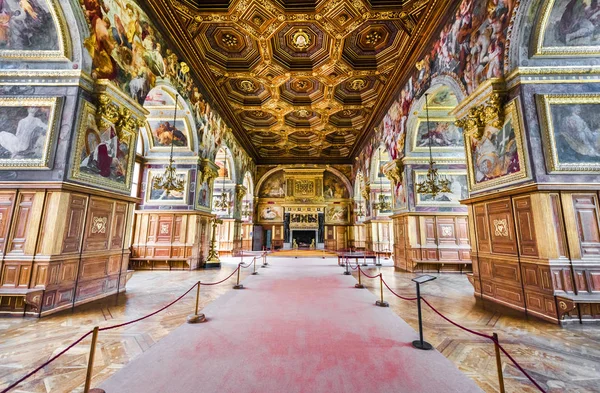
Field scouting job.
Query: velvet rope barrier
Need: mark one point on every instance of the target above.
(401, 297)
(366, 275)
(245, 266)
(489, 338)
(14, 384)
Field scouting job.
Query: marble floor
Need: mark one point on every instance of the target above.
(563, 359)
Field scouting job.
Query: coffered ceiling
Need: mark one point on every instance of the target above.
(301, 77)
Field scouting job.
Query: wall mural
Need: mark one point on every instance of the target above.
(155, 197)
(26, 131)
(336, 214)
(569, 27)
(333, 187)
(400, 195)
(270, 213)
(127, 49)
(203, 195)
(470, 48)
(571, 130)
(498, 157)
(28, 28)
(164, 132)
(458, 189)
(103, 155)
(273, 186)
(443, 133)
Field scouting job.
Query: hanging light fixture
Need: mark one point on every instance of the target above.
(360, 212)
(223, 202)
(382, 204)
(434, 184)
(169, 180)
(246, 212)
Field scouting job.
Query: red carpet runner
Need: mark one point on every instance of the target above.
(300, 326)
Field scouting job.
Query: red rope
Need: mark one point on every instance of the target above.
(366, 275)
(401, 297)
(223, 280)
(246, 266)
(490, 338)
(354, 268)
(46, 363)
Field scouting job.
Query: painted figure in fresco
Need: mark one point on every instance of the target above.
(495, 154)
(109, 157)
(166, 133)
(27, 25)
(268, 213)
(443, 134)
(577, 134)
(580, 23)
(28, 140)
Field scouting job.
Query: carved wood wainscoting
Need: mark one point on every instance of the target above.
(170, 240)
(379, 235)
(228, 237)
(433, 242)
(336, 237)
(68, 245)
(533, 246)
(246, 235)
(357, 237)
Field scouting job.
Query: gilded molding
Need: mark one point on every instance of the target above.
(208, 171)
(491, 113)
(394, 171)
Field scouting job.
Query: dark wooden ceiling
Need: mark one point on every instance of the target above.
(300, 80)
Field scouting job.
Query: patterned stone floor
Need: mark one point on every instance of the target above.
(563, 359)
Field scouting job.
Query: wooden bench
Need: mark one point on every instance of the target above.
(356, 256)
(31, 297)
(168, 260)
(568, 302)
(440, 264)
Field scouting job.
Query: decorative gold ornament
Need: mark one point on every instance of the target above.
(501, 227)
(373, 38)
(301, 40)
(247, 86)
(489, 114)
(303, 113)
(357, 84)
(229, 40)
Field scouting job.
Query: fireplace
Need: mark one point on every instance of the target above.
(304, 238)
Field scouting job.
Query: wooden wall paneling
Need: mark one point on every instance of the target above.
(74, 223)
(525, 224)
(26, 223)
(559, 224)
(98, 225)
(482, 228)
(119, 220)
(501, 227)
(588, 224)
(7, 204)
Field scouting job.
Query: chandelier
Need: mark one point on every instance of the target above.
(169, 182)
(382, 205)
(433, 184)
(223, 202)
(360, 212)
(246, 211)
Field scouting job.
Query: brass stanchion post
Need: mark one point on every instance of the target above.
(359, 285)
(347, 272)
(254, 272)
(499, 363)
(238, 285)
(381, 302)
(90, 367)
(195, 317)
(264, 258)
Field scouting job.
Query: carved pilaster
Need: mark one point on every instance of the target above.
(483, 108)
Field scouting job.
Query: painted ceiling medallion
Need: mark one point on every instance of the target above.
(259, 114)
(349, 112)
(357, 84)
(247, 86)
(229, 40)
(301, 40)
(303, 113)
(373, 38)
(258, 21)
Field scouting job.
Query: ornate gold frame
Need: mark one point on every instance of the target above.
(512, 111)
(94, 180)
(554, 51)
(420, 120)
(441, 172)
(41, 163)
(64, 41)
(333, 206)
(159, 172)
(187, 131)
(261, 205)
(544, 102)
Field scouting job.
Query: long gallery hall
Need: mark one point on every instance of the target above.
(300, 196)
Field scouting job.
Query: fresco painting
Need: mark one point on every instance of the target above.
(24, 134)
(443, 133)
(203, 195)
(333, 187)
(573, 23)
(400, 195)
(160, 196)
(270, 213)
(273, 187)
(458, 190)
(336, 214)
(577, 133)
(27, 25)
(164, 132)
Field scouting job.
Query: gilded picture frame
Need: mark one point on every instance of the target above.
(438, 119)
(63, 53)
(560, 141)
(187, 133)
(451, 174)
(539, 34)
(53, 105)
(88, 111)
(513, 114)
(337, 213)
(183, 200)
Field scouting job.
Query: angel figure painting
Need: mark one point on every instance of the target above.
(23, 132)
(165, 132)
(495, 154)
(104, 154)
